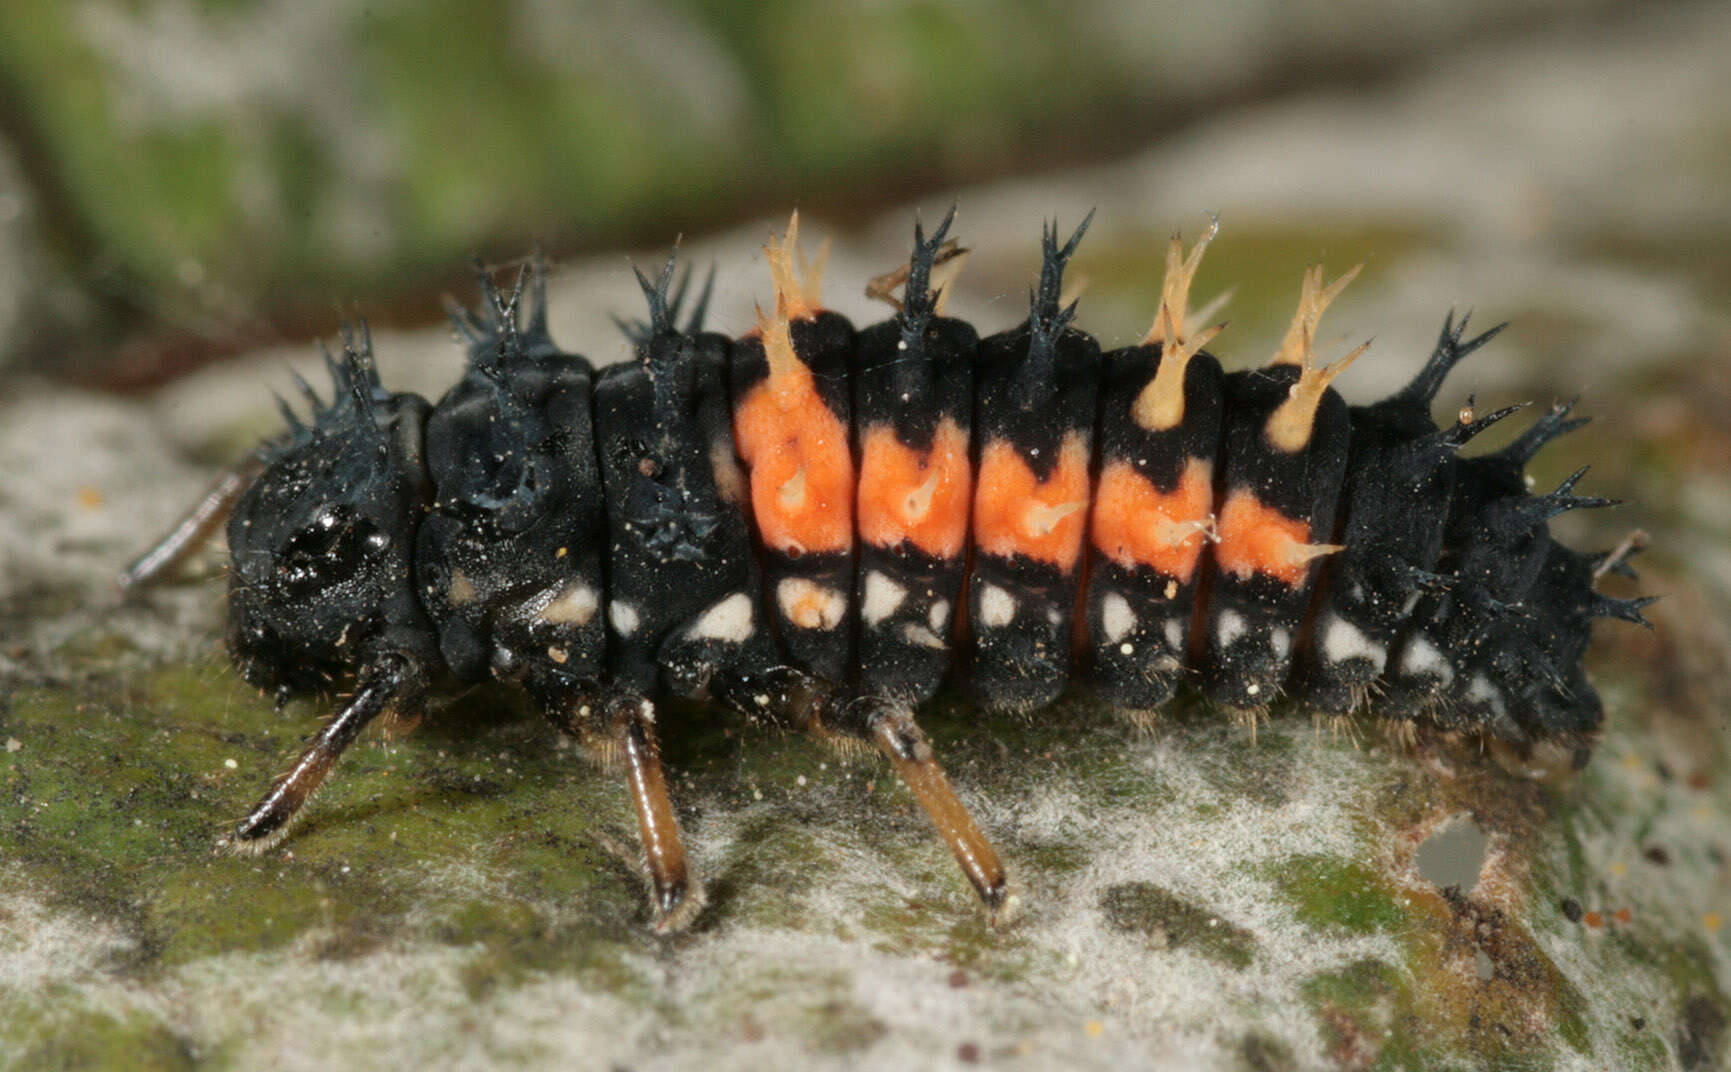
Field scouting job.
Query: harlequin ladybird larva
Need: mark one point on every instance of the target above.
(818, 525)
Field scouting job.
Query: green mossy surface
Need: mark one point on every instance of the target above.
(1165, 920)
(1342, 895)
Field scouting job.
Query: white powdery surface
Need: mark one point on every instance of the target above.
(393, 1008)
(863, 973)
(89, 483)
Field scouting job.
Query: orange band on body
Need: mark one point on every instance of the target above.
(1016, 512)
(802, 476)
(916, 496)
(1137, 524)
(1260, 539)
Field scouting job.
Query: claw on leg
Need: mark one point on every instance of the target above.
(381, 685)
(678, 896)
(899, 738)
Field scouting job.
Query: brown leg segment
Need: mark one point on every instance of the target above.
(193, 530)
(379, 687)
(677, 895)
(896, 735)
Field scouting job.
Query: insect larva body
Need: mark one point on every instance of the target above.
(819, 526)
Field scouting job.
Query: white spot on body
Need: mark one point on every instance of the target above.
(729, 620)
(791, 494)
(1116, 617)
(1229, 625)
(576, 604)
(1341, 640)
(918, 502)
(1421, 658)
(1039, 519)
(1175, 633)
(1281, 641)
(997, 607)
(881, 598)
(810, 605)
(623, 616)
(939, 615)
(1480, 689)
(921, 637)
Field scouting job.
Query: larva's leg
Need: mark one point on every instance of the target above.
(393, 681)
(193, 530)
(891, 727)
(678, 896)
(618, 731)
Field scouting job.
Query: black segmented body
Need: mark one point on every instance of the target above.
(591, 538)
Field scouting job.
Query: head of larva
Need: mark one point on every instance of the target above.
(318, 541)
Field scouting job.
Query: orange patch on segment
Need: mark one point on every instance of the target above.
(1137, 524)
(802, 476)
(1015, 512)
(1260, 539)
(913, 495)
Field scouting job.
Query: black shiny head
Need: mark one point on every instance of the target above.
(321, 541)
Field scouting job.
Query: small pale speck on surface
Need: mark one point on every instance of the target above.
(231, 763)
(13, 744)
(1094, 1028)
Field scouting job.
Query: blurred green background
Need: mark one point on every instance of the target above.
(184, 179)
